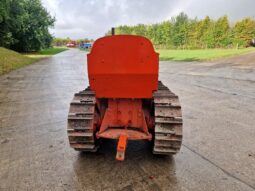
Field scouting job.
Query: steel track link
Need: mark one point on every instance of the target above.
(81, 121)
(168, 122)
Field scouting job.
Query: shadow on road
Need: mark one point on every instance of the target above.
(139, 166)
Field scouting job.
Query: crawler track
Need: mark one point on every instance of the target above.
(81, 117)
(168, 122)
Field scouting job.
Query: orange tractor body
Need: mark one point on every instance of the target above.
(123, 78)
(123, 66)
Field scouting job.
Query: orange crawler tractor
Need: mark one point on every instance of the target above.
(125, 100)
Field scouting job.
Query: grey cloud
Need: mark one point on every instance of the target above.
(235, 9)
(92, 18)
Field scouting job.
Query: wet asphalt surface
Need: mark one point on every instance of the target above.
(218, 152)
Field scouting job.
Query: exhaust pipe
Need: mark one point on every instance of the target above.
(113, 31)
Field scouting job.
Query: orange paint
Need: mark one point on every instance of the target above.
(123, 66)
(122, 144)
(124, 116)
(123, 73)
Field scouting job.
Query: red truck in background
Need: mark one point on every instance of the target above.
(71, 44)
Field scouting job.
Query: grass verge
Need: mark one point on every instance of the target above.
(45, 53)
(11, 60)
(52, 51)
(201, 54)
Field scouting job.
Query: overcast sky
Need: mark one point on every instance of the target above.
(93, 18)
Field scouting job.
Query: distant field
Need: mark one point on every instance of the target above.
(11, 60)
(201, 54)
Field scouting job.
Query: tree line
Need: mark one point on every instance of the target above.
(24, 25)
(64, 41)
(184, 32)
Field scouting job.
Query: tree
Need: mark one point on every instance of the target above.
(165, 37)
(193, 34)
(180, 30)
(204, 33)
(244, 32)
(184, 32)
(222, 32)
(139, 29)
(34, 34)
(10, 15)
(24, 25)
(124, 30)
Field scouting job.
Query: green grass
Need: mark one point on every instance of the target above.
(45, 53)
(201, 54)
(52, 51)
(11, 60)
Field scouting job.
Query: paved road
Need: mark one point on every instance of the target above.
(218, 152)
